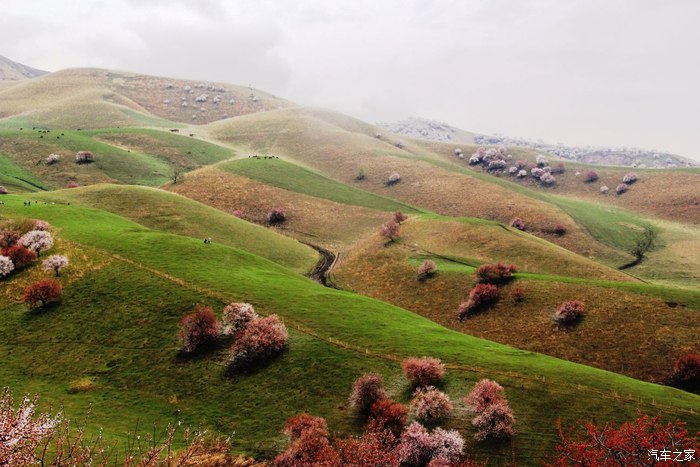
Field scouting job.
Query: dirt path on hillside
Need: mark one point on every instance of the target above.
(325, 264)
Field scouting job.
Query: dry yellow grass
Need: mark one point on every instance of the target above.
(309, 219)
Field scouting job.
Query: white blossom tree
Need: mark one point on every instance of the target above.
(6, 266)
(37, 240)
(55, 263)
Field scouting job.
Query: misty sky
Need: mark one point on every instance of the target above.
(613, 72)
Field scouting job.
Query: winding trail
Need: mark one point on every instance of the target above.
(320, 272)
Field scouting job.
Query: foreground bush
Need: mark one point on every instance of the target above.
(569, 312)
(424, 371)
(237, 316)
(199, 328)
(387, 414)
(480, 296)
(430, 404)
(366, 391)
(262, 339)
(19, 255)
(495, 273)
(44, 292)
(302, 423)
(492, 414)
(636, 443)
(418, 447)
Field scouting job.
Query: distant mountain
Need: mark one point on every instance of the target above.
(431, 130)
(13, 71)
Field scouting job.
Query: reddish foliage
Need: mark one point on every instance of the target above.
(261, 339)
(626, 445)
(375, 447)
(198, 328)
(43, 292)
(518, 223)
(495, 273)
(492, 414)
(479, 296)
(484, 393)
(569, 312)
(427, 269)
(299, 424)
(366, 390)
(389, 415)
(391, 230)
(8, 237)
(72, 185)
(311, 448)
(518, 294)
(687, 368)
(399, 217)
(559, 168)
(19, 255)
(591, 176)
(431, 404)
(276, 216)
(423, 371)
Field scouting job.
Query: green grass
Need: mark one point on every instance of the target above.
(118, 325)
(293, 177)
(14, 176)
(169, 212)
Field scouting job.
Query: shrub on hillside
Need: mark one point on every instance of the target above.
(591, 176)
(522, 173)
(479, 296)
(238, 213)
(84, 157)
(419, 447)
(559, 229)
(630, 178)
(518, 294)
(8, 237)
(621, 188)
(393, 179)
(262, 339)
(19, 255)
(687, 369)
(495, 273)
(22, 432)
(40, 225)
(296, 426)
(3, 190)
(492, 414)
(424, 371)
(42, 292)
(559, 168)
(360, 174)
(55, 263)
(199, 328)
(52, 159)
(427, 269)
(310, 447)
(548, 179)
(6, 266)
(496, 164)
(569, 312)
(518, 223)
(237, 316)
(541, 160)
(448, 446)
(391, 230)
(276, 216)
(430, 404)
(604, 190)
(387, 414)
(37, 241)
(72, 185)
(536, 172)
(366, 391)
(627, 444)
(399, 217)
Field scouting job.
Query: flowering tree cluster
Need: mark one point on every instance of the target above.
(199, 328)
(641, 442)
(590, 177)
(366, 391)
(38, 224)
(559, 168)
(263, 338)
(52, 159)
(427, 269)
(630, 178)
(569, 312)
(393, 179)
(604, 190)
(492, 159)
(417, 446)
(42, 292)
(621, 188)
(237, 316)
(518, 223)
(276, 216)
(492, 414)
(22, 431)
(386, 414)
(496, 273)
(430, 404)
(391, 230)
(19, 255)
(6, 266)
(480, 296)
(55, 263)
(84, 157)
(37, 241)
(424, 371)
(518, 294)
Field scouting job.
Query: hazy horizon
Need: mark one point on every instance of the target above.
(596, 73)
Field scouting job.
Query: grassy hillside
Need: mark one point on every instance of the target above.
(169, 212)
(335, 333)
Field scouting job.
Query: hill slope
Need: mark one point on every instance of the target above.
(10, 70)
